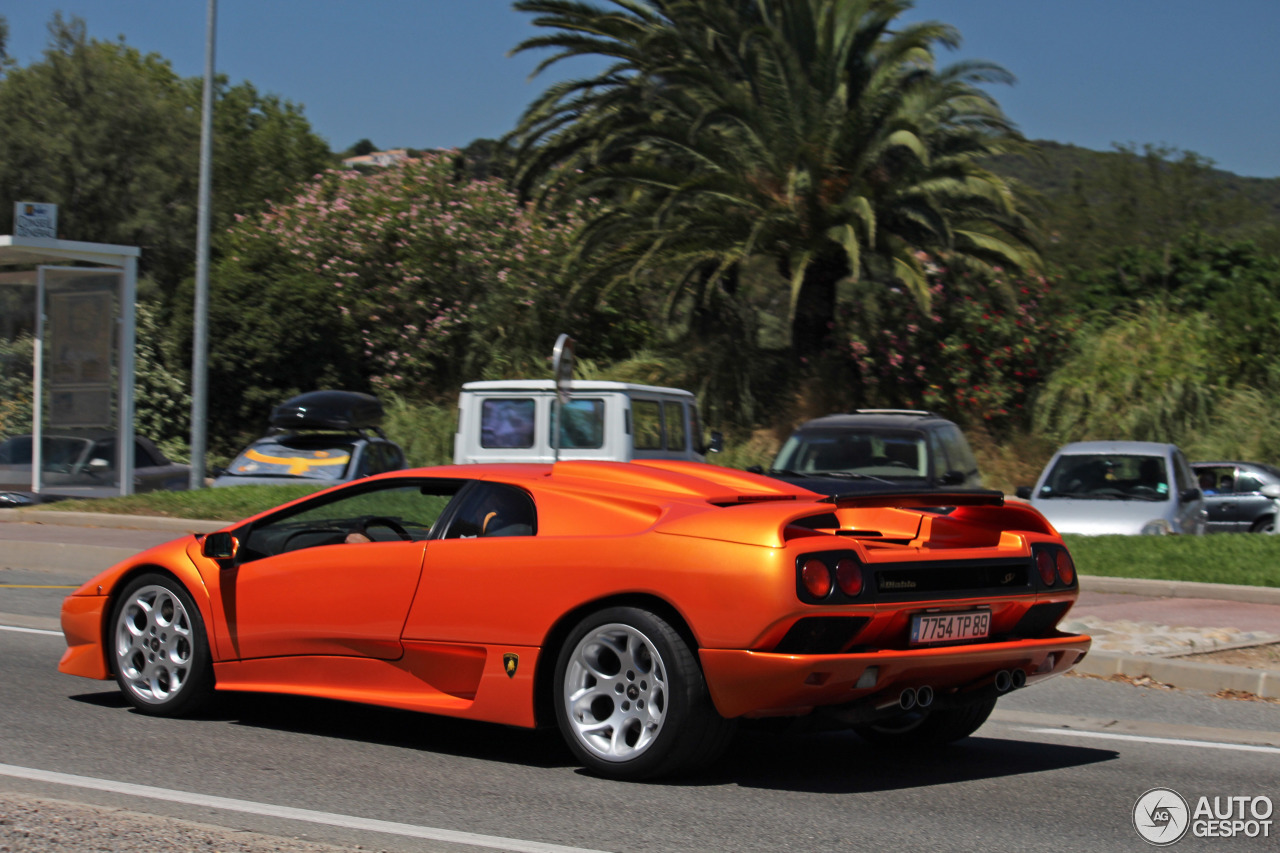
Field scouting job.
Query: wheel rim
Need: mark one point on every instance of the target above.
(154, 644)
(615, 692)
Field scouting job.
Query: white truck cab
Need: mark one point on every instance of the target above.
(510, 421)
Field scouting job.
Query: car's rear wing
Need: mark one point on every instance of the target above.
(918, 499)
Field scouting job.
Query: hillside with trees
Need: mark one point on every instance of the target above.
(817, 217)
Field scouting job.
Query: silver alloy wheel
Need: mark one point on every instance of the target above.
(154, 644)
(615, 692)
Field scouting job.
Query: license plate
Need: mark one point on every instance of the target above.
(950, 627)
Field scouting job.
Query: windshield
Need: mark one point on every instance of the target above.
(884, 454)
(1108, 476)
(304, 460)
(58, 453)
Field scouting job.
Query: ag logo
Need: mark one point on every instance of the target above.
(1161, 816)
(509, 663)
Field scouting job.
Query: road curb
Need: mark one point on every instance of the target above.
(1182, 589)
(112, 520)
(1209, 677)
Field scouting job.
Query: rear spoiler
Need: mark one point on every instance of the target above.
(918, 500)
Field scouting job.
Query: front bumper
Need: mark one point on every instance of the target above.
(760, 684)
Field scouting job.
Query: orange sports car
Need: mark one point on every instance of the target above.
(641, 607)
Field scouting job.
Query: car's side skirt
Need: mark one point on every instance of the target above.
(470, 681)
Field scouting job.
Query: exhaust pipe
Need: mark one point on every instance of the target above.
(924, 696)
(1004, 681)
(907, 700)
(1019, 679)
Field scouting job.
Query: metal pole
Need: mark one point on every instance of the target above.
(200, 342)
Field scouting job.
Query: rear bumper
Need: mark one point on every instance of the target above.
(745, 683)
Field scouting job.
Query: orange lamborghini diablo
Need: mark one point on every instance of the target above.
(641, 607)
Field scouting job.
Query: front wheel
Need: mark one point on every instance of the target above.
(159, 648)
(929, 727)
(630, 698)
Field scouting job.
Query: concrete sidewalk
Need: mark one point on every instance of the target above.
(1140, 628)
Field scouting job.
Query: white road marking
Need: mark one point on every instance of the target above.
(30, 630)
(492, 842)
(1164, 741)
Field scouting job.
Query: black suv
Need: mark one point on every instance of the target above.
(878, 450)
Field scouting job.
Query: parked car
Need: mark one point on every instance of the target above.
(877, 450)
(322, 437)
(1233, 495)
(511, 421)
(82, 466)
(1119, 487)
(641, 607)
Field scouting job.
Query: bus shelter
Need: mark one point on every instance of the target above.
(77, 300)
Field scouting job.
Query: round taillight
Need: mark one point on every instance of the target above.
(849, 577)
(1045, 563)
(816, 577)
(1066, 567)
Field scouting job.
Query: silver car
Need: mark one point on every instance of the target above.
(1119, 487)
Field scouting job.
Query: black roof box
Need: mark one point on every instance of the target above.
(346, 410)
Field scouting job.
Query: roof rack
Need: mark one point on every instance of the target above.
(895, 412)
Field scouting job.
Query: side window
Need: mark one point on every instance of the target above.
(493, 509)
(1246, 482)
(959, 456)
(142, 457)
(582, 424)
(938, 448)
(507, 423)
(646, 416)
(395, 457)
(385, 512)
(673, 414)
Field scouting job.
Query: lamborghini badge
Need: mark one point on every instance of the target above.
(509, 663)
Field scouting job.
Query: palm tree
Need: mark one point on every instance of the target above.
(813, 132)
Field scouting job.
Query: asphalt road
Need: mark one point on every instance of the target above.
(1059, 768)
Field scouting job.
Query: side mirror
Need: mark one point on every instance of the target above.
(755, 469)
(1272, 490)
(99, 464)
(1188, 495)
(951, 478)
(1023, 492)
(717, 442)
(220, 546)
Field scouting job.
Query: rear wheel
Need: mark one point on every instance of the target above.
(1264, 525)
(630, 698)
(929, 727)
(159, 648)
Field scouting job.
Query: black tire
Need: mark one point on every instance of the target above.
(929, 727)
(157, 645)
(630, 698)
(1264, 525)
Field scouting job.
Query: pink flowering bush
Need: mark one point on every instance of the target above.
(978, 354)
(443, 278)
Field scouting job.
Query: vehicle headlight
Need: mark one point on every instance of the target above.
(1157, 527)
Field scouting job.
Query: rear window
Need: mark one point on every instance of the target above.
(507, 423)
(582, 424)
(298, 458)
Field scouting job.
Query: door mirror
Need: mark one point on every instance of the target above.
(717, 442)
(1023, 492)
(1189, 495)
(220, 546)
(1271, 490)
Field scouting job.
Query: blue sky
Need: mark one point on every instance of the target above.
(1193, 74)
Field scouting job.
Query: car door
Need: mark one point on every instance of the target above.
(301, 585)
(1251, 504)
(1217, 484)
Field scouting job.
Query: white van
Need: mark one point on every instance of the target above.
(510, 421)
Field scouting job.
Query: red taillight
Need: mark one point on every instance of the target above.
(1066, 567)
(816, 577)
(849, 577)
(1045, 563)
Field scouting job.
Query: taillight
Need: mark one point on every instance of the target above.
(816, 577)
(849, 577)
(1046, 564)
(1066, 567)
